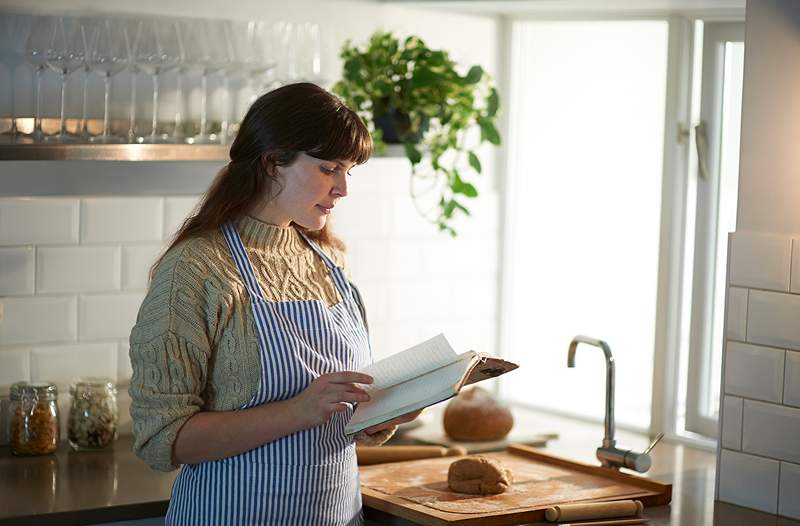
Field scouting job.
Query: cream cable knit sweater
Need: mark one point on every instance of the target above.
(194, 346)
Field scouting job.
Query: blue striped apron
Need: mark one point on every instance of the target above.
(309, 477)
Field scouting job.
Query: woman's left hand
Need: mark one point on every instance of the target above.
(402, 419)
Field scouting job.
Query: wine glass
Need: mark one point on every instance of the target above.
(88, 29)
(254, 52)
(205, 51)
(156, 50)
(130, 27)
(107, 55)
(16, 29)
(309, 55)
(36, 54)
(64, 54)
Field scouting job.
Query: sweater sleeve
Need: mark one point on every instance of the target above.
(169, 352)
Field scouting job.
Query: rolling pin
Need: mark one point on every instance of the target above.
(594, 510)
(381, 454)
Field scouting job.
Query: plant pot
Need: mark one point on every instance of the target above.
(396, 126)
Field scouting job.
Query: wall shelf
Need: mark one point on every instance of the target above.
(114, 152)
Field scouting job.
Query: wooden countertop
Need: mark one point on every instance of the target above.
(91, 487)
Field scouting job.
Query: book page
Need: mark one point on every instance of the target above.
(414, 361)
(435, 386)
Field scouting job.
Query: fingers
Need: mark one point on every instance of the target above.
(347, 396)
(348, 377)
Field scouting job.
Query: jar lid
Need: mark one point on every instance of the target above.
(41, 390)
(92, 382)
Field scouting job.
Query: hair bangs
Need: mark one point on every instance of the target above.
(346, 138)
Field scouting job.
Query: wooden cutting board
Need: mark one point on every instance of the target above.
(417, 490)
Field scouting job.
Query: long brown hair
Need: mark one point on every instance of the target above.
(278, 126)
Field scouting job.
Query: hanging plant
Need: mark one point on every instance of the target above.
(412, 95)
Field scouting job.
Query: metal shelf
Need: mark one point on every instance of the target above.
(114, 152)
(26, 150)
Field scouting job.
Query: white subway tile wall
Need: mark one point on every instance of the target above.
(77, 269)
(749, 481)
(737, 313)
(788, 501)
(760, 412)
(763, 261)
(33, 221)
(754, 372)
(17, 277)
(791, 384)
(70, 287)
(771, 430)
(732, 423)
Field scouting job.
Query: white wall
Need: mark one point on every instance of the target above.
(759, 452)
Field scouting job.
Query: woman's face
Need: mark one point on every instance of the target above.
(311, 188)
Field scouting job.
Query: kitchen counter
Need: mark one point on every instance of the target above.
(105, 486)
(88, 487)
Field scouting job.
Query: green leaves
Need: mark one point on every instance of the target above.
(426, 96)
(412, 153)
(474, 162)
(474, 75)
(492, 103)
(488, 131)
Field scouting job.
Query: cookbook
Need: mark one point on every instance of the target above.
(423, 375)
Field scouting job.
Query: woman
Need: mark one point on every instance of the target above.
(246, 344)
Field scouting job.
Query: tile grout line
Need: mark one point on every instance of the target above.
(761, 289)
(760, 456)
(783, 380)
(746, 313)
(764, 345)
(751, 399)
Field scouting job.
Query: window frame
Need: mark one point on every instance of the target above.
(698, 393)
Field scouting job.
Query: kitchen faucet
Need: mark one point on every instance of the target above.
(608, 454)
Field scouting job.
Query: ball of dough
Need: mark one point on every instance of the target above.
(479, 476)
(475, 416)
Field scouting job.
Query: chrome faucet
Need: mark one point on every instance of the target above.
(608, 454)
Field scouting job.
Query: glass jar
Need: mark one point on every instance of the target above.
(33, 416)
(93, 414)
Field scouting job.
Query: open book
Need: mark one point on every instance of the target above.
(423, 375)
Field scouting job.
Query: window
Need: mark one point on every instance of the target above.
(617, 214)
(586, 143)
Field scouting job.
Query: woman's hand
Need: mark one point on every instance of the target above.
(402, 419)
(327, 395)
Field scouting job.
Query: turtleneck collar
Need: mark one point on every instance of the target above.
(272, 238)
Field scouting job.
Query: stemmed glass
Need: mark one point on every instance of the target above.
(309, 56)
(107, 55)
(36, 54)
(64, 55)
(156, 50)
(16, 28)
(88, 27)
(253, 50)
(130, 27)
(205, 51)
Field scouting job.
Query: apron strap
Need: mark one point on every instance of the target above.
(328, 261)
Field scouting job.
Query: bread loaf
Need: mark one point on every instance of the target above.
(475, 416)
(478, 476)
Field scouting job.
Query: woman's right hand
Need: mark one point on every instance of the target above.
(327, 395)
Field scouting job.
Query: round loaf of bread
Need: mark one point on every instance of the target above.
(479, 476)
(476, 416)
